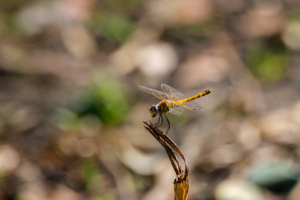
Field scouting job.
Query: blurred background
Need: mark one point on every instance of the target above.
(71, 112)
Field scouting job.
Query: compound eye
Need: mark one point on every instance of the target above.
(153, 108)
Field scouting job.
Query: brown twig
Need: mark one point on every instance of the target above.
(181, 182)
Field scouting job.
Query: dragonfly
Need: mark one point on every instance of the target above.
(171, 101)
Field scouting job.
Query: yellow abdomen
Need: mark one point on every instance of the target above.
(196, 96)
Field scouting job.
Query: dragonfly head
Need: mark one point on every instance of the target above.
(153, 110)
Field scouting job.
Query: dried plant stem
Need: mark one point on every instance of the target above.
(181, 182)
(181, 189)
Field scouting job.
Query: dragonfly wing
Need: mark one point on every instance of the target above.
(192, 105)
(158, 94)
(175, 95)
(177, 110)
(172, 93)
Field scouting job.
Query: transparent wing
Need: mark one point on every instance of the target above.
(175, 96)
(172, 93)
(177, 110)
(192, 105)
(158, 94)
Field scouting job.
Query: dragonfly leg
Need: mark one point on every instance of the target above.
(160, 118)
(169, 125)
